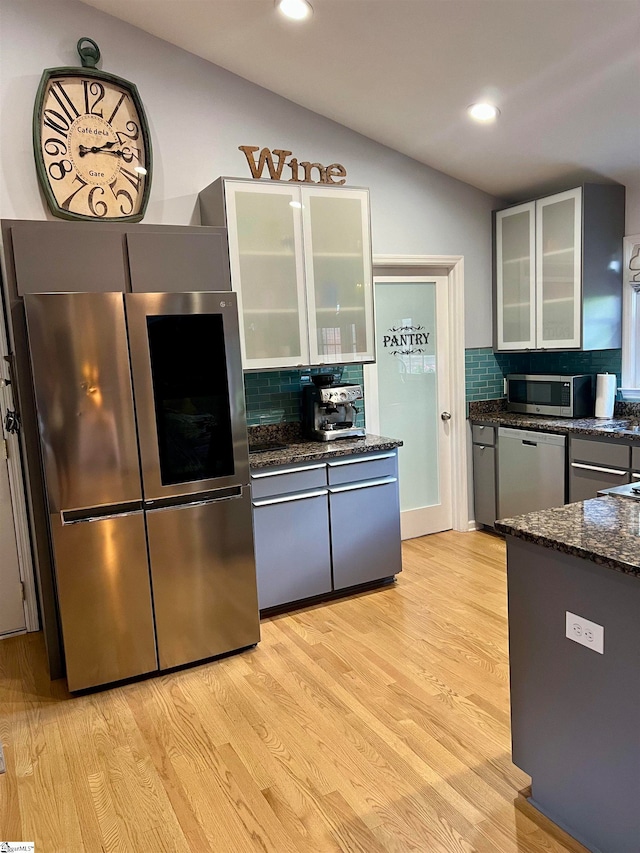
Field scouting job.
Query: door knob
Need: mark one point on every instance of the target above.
(445, 416)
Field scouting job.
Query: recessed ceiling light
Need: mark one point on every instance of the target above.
(297, 10)
(483, 112)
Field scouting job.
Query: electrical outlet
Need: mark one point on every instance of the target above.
(587, 633)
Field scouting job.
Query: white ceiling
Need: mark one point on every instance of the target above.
(564, 73)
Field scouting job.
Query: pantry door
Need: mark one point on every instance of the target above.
(407, 395)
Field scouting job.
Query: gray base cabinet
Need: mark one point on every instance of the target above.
(596, 465)
(574, 711)
(484, 474)
(292, 548)
(365, 532)
(635, 465)
(323, 527)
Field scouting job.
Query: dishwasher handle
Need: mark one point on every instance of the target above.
(528, 443)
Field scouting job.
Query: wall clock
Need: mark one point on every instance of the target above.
(91, 142)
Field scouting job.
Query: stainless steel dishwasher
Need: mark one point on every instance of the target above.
(531, 471)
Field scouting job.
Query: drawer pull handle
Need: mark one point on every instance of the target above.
(289, 498)
(361, 459)
(636, 476)
(615, 471)
(366, 484)
(287, 471)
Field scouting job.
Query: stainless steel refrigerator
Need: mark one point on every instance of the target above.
(141, 417)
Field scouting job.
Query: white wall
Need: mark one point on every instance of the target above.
(199, 114)
(632, 221)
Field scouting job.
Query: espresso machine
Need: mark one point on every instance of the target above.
(329, 411)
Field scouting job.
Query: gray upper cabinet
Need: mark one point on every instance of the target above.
(557, 271)
(55, 257)
(178, 261)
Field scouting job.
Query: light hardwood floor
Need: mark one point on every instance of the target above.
(376, 723)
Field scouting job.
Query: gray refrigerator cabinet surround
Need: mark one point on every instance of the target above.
(104, 257)
(177, 529)
(325, 526)
(46, 257)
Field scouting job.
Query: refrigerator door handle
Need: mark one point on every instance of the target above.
(188, 500)
(76, 516)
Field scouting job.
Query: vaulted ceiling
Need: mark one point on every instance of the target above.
(564, 73)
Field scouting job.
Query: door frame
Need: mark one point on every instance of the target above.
(17, 493)
(451, 266)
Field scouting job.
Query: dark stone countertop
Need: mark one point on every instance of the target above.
(605, 530)
(300, 450)
(616, 428)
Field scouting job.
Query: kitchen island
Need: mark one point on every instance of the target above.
(574, 648)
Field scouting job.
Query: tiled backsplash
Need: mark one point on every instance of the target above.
(274, 396)
(485, 370)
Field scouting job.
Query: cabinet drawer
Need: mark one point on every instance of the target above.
(605, 453)
(293, 478)
(354, 469)
(585, 483)
(483, 434)
(635, 458)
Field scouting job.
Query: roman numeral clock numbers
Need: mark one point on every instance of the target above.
(91, 142)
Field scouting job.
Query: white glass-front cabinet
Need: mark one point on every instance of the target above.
(558, 261)
(267, 272)
(337, 254)
(538, 274)
(300, 258)
(515, 277)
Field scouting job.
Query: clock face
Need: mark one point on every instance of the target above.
(93, 147)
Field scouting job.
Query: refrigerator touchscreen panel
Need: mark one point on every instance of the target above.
(191, 397)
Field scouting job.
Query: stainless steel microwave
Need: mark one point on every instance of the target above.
(551, 394)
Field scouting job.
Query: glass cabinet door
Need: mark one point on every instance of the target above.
(558, 270)
(337, 247)
(515, 277)
(265, 250)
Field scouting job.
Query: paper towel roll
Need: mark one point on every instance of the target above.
(605, 394)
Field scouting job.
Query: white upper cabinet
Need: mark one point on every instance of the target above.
(558, 271)
(267, 272)
(337, 256)
(515, 277)
(300, 259)
(558, 268)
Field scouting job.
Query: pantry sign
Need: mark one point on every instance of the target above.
(298, 172)
(406, 340)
